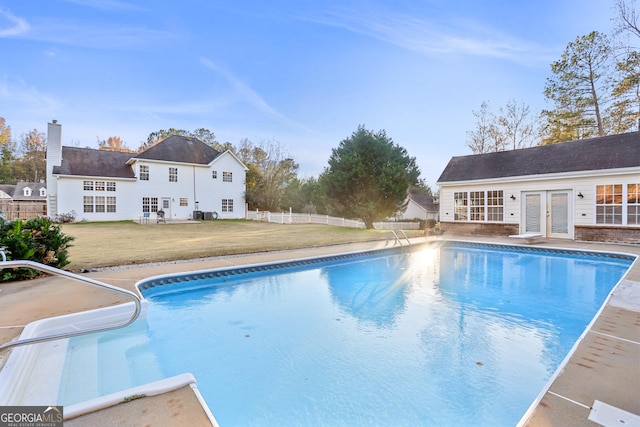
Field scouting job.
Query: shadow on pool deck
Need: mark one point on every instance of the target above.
(605, 365)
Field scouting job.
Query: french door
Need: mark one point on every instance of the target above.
(548, 213)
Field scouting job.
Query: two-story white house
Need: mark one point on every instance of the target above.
(184, 177)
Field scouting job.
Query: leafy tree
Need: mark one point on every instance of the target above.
(421, 187)
(271, 170)
(368, 177)
(204, 135)
(114, 143)
(7, 154)
(31, 166)
(580, 90)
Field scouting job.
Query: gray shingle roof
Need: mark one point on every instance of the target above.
(607, 152)
(113, 164)
(180, 149)
(35, 187)
(91, 162)
(426, 201)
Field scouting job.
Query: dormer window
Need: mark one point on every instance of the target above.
(27, 192)
(43, 192)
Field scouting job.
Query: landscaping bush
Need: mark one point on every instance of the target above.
(36, 239)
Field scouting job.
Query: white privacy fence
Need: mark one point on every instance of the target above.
(303, 218)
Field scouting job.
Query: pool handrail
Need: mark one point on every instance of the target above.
(396, 238)
(62, 273)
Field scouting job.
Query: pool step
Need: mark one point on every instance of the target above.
(99, 366)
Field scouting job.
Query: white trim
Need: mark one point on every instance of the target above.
(543, 177)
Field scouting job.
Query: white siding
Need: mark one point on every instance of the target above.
(583, 208)
(71, 198)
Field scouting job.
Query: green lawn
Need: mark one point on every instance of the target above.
(119, 243)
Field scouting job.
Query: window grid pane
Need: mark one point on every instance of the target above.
(100, 205)
(227, 177)
(173, 174)
(460, 206)
(609, 204)
(144, 173)
(476, 202)
(633, 204)
(111, 204)
(495, 205)
(88, 204)
(149, 204)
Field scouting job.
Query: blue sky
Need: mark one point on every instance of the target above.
(303, 73)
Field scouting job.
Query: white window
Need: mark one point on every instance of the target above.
(144, 173)
(633, 204)
(173, 174)
(149, 204)
(100, 205)
(479, 206)
(111, 186)
(214, 174)
(88, 204)
(43, 192)
(184, 201)
(227, 176)
(609, 204)
(99, 186)
(460, 206)
(111, 203)
(26, 191)
(495, 206)
(227, 205)
(87, 185)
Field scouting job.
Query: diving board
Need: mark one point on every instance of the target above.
(529, 237)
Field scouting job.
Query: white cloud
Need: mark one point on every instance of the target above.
(425, 36)
(15, 25)
(249, 95)
(16, 94)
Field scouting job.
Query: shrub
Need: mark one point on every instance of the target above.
(36, 239)
(430, 223)
(66, 217)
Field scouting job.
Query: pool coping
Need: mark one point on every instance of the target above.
(542, 411)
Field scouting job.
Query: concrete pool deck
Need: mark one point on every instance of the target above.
(605, 365)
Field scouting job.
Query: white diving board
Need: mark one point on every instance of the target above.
(529, 237)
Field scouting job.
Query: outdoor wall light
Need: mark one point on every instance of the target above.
(513, 197)
(580, 195)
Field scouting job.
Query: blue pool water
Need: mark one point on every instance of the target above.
(454, 335)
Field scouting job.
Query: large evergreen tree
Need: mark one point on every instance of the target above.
(368, 177)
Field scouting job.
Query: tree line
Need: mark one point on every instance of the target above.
(368, 176)
(593, 90)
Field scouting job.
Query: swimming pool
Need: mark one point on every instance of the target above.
(451, 335)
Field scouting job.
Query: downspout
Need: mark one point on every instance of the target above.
(195, 207)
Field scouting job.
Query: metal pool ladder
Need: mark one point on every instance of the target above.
(392, 235)
(57, 272)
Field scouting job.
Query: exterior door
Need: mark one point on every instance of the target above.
(533, 214)
(166, 207)
(559, 209)
(548, 213)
